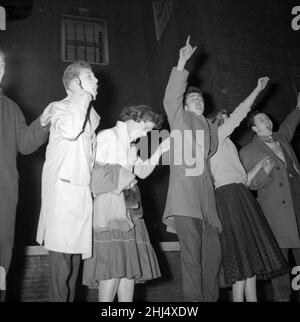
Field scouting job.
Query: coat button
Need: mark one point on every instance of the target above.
(290, 175)
(277, 168)
(283, 201)
(280, 184)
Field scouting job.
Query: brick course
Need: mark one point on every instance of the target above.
(29, 281)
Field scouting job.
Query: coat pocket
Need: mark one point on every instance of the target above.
(73, 201)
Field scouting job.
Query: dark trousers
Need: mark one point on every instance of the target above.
(200, 259)
(282, 284)
(6, 251)
(63, 276)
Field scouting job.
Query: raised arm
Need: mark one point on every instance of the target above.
(68, 116)
(289, 125)
(241, 111)
(143, 169)
(185, 53)
(173, 100)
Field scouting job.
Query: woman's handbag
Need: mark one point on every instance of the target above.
(131, 197)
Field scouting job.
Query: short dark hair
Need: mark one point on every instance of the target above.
(140, 113)
(213, 117)
(251, 121)
(190, 90)
(73, 70)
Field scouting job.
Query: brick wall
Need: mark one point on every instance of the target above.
(28, 281)
(238, 42)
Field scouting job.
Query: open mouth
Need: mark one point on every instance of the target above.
(199, 108)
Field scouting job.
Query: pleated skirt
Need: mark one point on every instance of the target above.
(119, 254)
(248, 245)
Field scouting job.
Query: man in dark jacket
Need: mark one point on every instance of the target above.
(190, 209)
(277, 185)
(15, 136)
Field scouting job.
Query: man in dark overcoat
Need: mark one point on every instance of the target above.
(277, 184)
(190, 209)
(15, 136)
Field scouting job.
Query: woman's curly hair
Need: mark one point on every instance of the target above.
(140, 113)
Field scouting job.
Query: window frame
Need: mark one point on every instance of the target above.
(88, 21)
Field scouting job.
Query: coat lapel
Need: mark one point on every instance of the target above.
(287, 151)
(214, 140)
(265, 148)
(94, 119)
(270, 151)
(207, 134)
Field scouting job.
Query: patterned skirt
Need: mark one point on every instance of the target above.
(118, 254)
(248, 245)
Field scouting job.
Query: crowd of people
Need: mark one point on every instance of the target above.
(91, 204)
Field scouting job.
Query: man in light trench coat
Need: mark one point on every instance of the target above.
(65, 224)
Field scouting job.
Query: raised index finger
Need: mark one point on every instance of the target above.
(188, 40)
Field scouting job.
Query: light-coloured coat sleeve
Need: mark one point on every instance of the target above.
(68, 119)
(233, 121)
(104, 139)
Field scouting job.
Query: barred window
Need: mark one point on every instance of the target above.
(84, 38)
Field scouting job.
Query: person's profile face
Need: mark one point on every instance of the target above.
(88, 81)
(140, 129)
